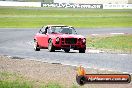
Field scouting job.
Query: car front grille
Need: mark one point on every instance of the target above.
(70, 40)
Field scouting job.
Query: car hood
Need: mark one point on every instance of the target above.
(67, 36)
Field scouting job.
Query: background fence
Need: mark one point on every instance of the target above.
(79, 1)
(66, 5)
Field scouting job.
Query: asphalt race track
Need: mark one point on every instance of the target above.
(19, 43)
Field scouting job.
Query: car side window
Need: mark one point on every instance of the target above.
(43, 30)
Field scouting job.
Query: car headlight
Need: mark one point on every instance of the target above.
(84, 40)
(57, 39)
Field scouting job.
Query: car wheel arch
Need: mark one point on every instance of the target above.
(49, 39)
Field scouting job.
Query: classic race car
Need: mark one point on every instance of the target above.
(57, 37)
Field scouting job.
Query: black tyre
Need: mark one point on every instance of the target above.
(51, 47)
(36, 46)
(66, 50)
(81, 50)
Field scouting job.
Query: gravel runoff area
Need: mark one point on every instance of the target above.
(46, 72)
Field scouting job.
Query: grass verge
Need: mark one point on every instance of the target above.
(12, 80)
(25, 17)
(118, 42)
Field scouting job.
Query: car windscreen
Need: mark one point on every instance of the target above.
(63, 30)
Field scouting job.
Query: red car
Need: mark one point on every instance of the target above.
(57, 37)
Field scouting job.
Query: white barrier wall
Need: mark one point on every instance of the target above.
(66, 5)
(117, 6)
(28, 4)
(93, 1)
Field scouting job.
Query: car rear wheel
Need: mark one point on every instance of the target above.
(81, 50)
(36, 46)
(51, 47)
(66, 50)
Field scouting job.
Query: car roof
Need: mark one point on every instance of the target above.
(57, 26)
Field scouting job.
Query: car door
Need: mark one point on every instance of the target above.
(43, 37)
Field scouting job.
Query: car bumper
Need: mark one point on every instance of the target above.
(74, 44)
(70, 46)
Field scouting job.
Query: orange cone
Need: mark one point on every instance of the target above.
(81, 71)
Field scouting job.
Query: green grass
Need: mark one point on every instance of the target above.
(8, 80)
(52, 85)
(120, 42)
(13, 80)
(25, 17)
(14, 84)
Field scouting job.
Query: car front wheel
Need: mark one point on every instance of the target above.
(51, 47)
(81, 50)
(36, 46)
